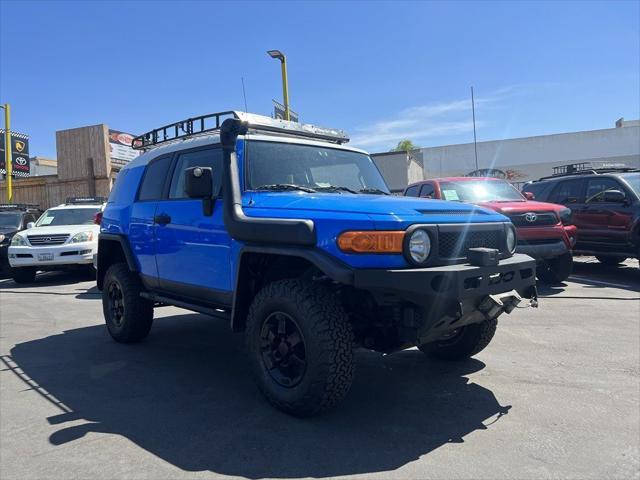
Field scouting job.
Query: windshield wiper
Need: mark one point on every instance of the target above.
(335, 188)
(282, 187)
(373, 190)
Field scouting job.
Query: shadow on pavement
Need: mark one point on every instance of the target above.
(49, 279)
(594, 274)
(186, 396)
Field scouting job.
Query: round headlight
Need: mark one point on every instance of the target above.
(512, 239)
(419, 246)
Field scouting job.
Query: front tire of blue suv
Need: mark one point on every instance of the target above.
(128, 316)
(300, 346)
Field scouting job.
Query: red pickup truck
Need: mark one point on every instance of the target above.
(545, 230)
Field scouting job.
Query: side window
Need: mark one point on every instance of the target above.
(29, 218)
(412, 191)
(427, 191)
(568, 191)
(597, 186)
(154, 179)
(202, 158)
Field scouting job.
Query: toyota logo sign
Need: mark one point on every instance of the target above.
(531, 217)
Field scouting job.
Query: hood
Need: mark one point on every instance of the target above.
(350, 203)
(524, 206)
(8, 230)
(70, 229)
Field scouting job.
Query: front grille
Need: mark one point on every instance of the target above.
(456, 244)
(57, 239)
(534, 219)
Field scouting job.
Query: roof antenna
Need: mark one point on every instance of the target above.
(244, 94)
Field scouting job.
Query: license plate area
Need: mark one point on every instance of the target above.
(45, 257)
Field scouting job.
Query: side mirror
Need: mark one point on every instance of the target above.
(613, 196)
(31, 225)
(198, 183)
(529, 195)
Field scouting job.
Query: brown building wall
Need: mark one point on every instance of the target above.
(82, 149)
(84, 169)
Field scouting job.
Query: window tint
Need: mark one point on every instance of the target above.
(412, 191)
(567, 191)
(154, 179)
(597, 186)
(427, 191)
(201, 158)
(30, 218)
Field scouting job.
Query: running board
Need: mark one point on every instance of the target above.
(213, 312)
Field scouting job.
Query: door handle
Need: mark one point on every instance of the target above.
(162, 219)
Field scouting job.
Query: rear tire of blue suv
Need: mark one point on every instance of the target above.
(464, 343)
(300, 346)
(128, 316)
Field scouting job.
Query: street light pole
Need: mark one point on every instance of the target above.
(285, 82)
(475, 141)
(7, 150)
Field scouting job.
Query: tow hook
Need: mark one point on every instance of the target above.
(494, 305)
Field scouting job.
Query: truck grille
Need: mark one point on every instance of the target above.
(534, 219)
(57, 239)
(456, 244)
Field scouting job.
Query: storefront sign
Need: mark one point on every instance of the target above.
(120, 147)
(19, 154)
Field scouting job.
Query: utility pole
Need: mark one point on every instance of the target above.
(7, 150)
(475, 142)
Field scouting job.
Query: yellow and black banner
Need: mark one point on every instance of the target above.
(20, 164)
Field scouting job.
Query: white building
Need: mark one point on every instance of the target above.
(519, 159)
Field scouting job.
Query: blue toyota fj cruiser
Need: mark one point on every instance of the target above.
(294, 239)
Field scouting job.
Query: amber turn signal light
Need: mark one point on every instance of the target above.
(371, 242)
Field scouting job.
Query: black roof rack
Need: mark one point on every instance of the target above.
(585, 168)
(212, 122)
(19, 206)
(84, 200)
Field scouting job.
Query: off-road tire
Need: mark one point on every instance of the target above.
(471, 340)
(610, 260)
(555, 270)
(137, 312)
(23, 274)
(327, 337)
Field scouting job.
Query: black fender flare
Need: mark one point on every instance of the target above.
(330, 266)
(103, 240)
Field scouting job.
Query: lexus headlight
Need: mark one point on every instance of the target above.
(2, 237)
(512, 239)
(82, 237)
(419, 246)
(18, 241)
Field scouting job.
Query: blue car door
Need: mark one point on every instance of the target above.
(142, 220)
(193, 250)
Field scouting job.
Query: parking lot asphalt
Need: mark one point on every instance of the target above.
(555, 395)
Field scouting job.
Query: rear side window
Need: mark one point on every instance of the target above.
(412, 191)
(567, 191)
(154, 179)
(211, 157)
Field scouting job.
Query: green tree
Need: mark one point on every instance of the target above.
(405, 146)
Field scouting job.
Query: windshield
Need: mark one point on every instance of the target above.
(480, 191)
(272, 165)
(9, 219)
(633, 179)
(67, 216)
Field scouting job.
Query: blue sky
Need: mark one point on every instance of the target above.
(382, 71)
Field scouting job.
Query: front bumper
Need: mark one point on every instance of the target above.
(543, 250)
(59, 255)
(465, 283)
(448, 297)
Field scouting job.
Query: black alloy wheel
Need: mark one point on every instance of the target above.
(282, 349)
